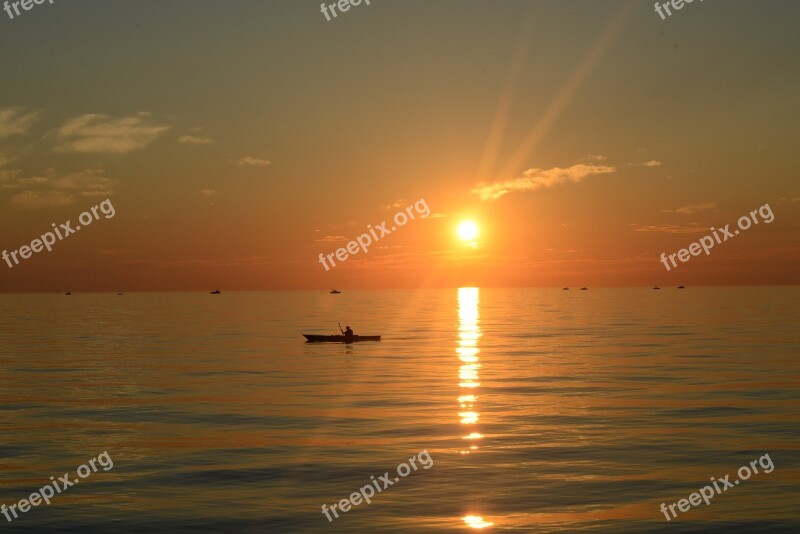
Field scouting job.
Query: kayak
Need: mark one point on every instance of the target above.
(312, 338)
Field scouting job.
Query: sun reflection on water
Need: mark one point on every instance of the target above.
(467, 351)
(469, 333)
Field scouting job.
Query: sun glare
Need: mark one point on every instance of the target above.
(467, 231)
(475, 521)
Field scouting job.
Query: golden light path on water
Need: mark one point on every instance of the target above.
(469, 333)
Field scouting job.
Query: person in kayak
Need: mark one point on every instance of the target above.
(348, 335)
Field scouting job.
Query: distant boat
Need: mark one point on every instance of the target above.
(67, 293)
(335, 292)
(119, 293)
(584, 289)
(217, 292)
(565, 289)
(681, 287)
(656, 287)
(312, 338)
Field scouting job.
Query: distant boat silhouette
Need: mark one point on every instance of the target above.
(67, 293)
(656, 287)
(565, 289)
(335, 292)
(681, 287)
(119, 293)
(217, 292)
(584, 289)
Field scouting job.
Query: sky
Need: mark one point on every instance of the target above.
(237, 141)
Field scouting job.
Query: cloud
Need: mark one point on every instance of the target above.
(403, 260)
(671, 228)
(94, 133)
(7, 175)
(534, 179)
(651, 163)
(249, 161)
(688, 210)
(193, 140)
(41, 199)
(56, 190)
(89, 183)
(566, 251)
(208, 192)
(211, 262)
(396, 204)
(5, 159)
(332, 239)
(16, 121)
(34, 180)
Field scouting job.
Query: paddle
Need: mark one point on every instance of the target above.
(340, 327)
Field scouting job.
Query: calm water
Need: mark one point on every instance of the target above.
(543, 410)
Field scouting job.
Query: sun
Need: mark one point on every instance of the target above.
(467, 231)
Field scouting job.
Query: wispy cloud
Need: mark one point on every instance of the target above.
(651, 163)
(399, 203)
(250, 161)
(534, 179)
(332, 239)
(696, 208)
(208, 192)
(53, 189)
(33, 180)
(94, 133)
(210, 262)
(7, 175)
(41, 199)
(670, 228)
(87, 183)
(194, 140)
(5, 159)
(16, 121)
(566, 251)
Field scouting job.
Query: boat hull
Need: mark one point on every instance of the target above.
(312, 338)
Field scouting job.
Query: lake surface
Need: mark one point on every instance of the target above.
(543, 410)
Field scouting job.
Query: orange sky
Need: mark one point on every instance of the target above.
(239, 142)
